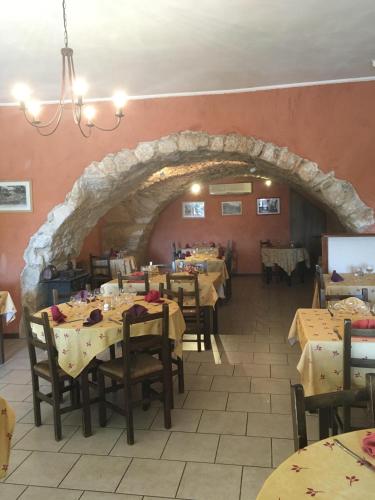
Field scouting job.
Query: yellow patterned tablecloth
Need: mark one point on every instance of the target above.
(323, 470)
(7, 307)
(209, 286)
(286, 258)
(351, 285)
(77, 345)
(321, 362)
(214, 265)
(7, 421)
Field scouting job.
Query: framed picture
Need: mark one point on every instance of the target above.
(15, 196)
(268, 206)
(231, 208)
(193, 209)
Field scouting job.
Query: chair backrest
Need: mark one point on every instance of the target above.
(190, 290)
(324, 403)
(34, 343)
(175, 295)
(100, 265)
(138, 279)
(128, 321)
(324, 298)
(265, 243)
(348, 361)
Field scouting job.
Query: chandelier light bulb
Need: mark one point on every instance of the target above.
(21, 92)
(34, 108)
(195, 188)
(89, 112)
(80, 87)
(268, 182)
(119, 99)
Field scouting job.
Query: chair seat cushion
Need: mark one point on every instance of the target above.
(42, 368)
(141, 365)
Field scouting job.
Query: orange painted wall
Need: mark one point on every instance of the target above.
(244, 230)
(332, 125)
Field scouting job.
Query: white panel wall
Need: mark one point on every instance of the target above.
(346, 253)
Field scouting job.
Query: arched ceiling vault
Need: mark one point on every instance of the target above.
(141, 182)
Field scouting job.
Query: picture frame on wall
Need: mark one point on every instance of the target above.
(231, 208)
(15, 196)
(268, 206)
(193, 209)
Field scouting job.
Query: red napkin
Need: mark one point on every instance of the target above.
(364, 324)
(368, 444)
(57, 315)
(95, 317)
(154, 296)
(137, 273)
(187, 254)
(136, 311)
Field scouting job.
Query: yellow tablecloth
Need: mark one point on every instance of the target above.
(351, 285)
(323, 470)
(209, 285)
(286, 258)
(7, 307)
(321, 362)
(202, 252)
(7, 421)
(214, 265)
(77, 345)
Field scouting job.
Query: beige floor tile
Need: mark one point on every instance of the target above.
(95, 495)
(21, 409)
(252, 370)
(249, 402)
(287, 371)
(17, 377)
(43, 439)
(43, 469)
(270, 358)
(223, 422)
(16, 392)
(253, 347)
(198, 382)
(206, 400)
(147, 444)
(41, 493)
(10, 491)
(201, 357)
(230, 384)
(142, 419)
(210, 482)
(152, 477)
(237, 357)
(269, 425)
(47, 415)
(270, 386)
(85, 473)
(252, 481)
(271, 339)
(20, 430)
(191, 447)
(100, 443)
(214, 369)
(191, 368)
(157, 498)
(182, 420)
(312, 422)
(281, 450)
(239, 450)
(280, 403)
(286, 348)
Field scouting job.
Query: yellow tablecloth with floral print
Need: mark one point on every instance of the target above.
(209, 285)
(286, 258)
(321, 362)
(77, 345)
(323, 470)
(7, 421)
(7, 307)
(351, 285)
(214, 265)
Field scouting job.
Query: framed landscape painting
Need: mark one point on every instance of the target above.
(268, 206)
(193, 209)
(15, 196)
(231, 208)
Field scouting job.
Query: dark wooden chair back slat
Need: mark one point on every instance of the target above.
(175, 295)
(176, 278)
(348, 361)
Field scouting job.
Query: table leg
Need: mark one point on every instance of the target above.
(86, 412)
(268, 275)
(215, 318)
(2, 353)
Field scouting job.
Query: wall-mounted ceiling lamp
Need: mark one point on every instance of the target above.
(195, 188)
(73, 90)
(268, 182)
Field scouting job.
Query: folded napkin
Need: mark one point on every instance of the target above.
(136, 311)
(57, 315)
(137, 273)
(364, 324)
(368, 444)
(95, 317)
(154, 296)
(335, 277)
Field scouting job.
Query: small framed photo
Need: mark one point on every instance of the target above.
(15, 196)
(193, 209)
(231, 208)
(268, 206)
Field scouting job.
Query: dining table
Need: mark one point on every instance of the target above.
(7, 423)
(214, 264)
(287, 258)
(320, 333)
(352, 284)
(7, 314)
(325, 470)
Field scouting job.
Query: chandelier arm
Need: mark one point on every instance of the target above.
(108, 129)
(52, 131)
(40, 125)
(76, 108)
(85, 135)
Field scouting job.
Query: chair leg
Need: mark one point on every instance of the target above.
(167, 391)
(102, 406)
(86, 414)
(180, 374)
(324, 422)
(36, 401)
(128, 414)
(145, 395)
(346, 419)
(56, 410)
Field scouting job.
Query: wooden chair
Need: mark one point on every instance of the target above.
(349, 362)
(100, 269)
(195, 316)
(228, 259)
(48, 369)
(324, 298)
(137, 368)
(269, 272)
(144, 279)
(327, 405)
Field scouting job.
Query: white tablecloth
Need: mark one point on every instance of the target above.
(286, 258)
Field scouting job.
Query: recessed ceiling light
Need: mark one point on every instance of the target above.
(195, 188)
(268, 182)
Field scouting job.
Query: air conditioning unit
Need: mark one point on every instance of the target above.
(238, 188)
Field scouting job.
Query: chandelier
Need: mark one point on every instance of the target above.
(73, 90)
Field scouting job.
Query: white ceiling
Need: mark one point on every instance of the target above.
(154, 47)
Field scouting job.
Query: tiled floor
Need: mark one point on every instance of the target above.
(230, 428)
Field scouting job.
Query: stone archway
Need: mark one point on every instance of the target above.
(139, 175)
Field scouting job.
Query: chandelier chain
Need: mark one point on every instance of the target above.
(65, 24)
